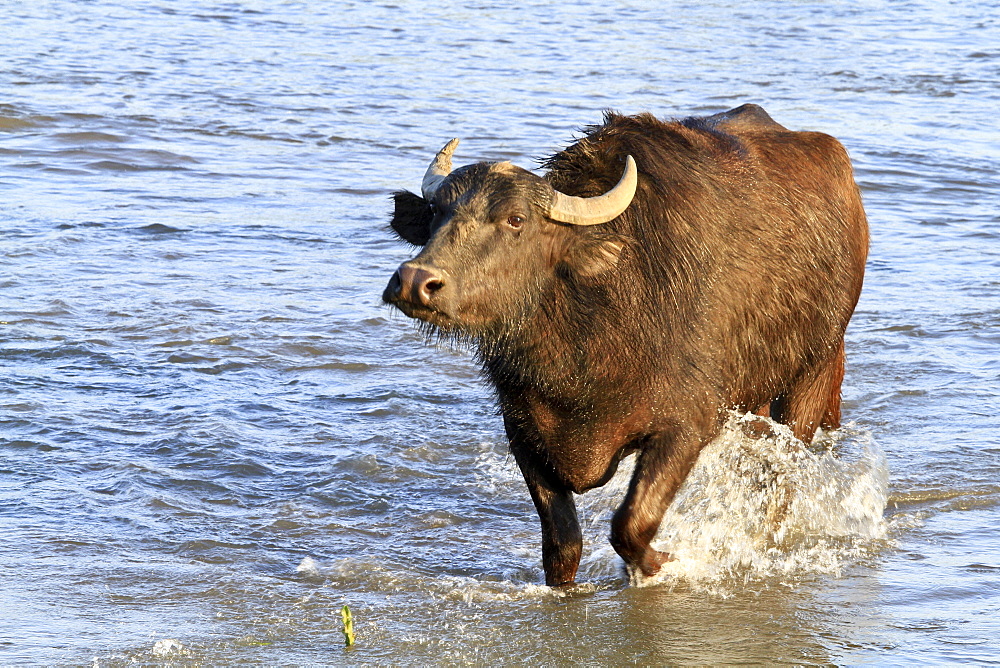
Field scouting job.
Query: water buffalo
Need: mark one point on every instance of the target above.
(657, 275)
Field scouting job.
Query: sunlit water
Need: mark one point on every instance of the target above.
(213, 436)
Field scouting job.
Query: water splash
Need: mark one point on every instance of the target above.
(760, 505)
(374, 576)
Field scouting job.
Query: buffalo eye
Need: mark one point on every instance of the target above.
(515, 222)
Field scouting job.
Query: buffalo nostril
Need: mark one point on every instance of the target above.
(430, 285)
(418, 285)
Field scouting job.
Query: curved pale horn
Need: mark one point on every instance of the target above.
(439, 170)
(600, 209)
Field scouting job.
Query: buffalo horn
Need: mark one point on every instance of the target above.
(439, 170)
(596, 210)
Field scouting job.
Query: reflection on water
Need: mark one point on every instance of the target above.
(212, 436)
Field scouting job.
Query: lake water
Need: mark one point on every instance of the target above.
(213, 435)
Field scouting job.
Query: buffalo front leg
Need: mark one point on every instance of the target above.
(562, 540)
(662, 466)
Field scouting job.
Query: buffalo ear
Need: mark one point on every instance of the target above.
(594, 256)
(412, 217)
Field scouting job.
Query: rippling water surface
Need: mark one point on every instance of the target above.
(212, 436)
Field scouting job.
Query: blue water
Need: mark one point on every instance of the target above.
(212, 432)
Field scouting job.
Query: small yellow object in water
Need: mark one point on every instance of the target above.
(345, 614)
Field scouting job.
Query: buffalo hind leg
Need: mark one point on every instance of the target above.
(662, 466)
(814, 401)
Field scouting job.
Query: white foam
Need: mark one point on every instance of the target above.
(308, 567)
(757, 507)
(166, 647)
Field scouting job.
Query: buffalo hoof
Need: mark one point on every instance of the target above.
(644, 575)
(653, 561)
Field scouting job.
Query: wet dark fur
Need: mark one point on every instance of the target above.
(732, 278)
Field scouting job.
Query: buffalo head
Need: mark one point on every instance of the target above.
(493, 237)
